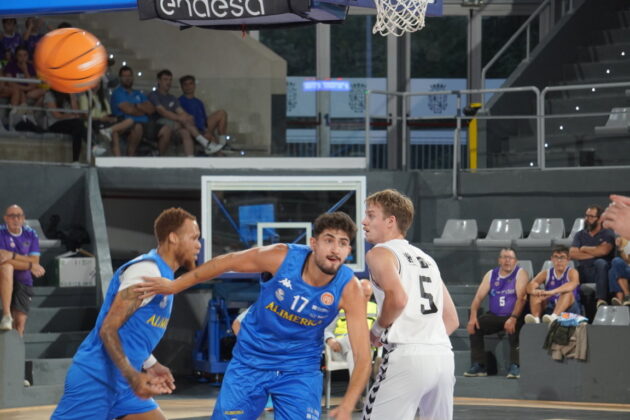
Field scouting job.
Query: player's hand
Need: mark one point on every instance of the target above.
(376, 341)
(472, 326)
(154, 286)
(510, 325)
(334, 345)
(162, 374)
(37, 270)
(145, 386)
(617, 215)
(341, 413)
(5, 255)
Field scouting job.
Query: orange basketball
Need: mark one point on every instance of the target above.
(70, 60)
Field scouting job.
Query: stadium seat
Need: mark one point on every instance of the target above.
(547, 265)
(44, 243)
(542, 233)
(618, 123)
(527, 266)
(458, 232)
(578, 225)
(502, 233)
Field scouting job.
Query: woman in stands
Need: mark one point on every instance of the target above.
(66, 121)
(103, 121)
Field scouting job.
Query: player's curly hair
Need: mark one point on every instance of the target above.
(394, 204)
(170, 220)
(337, 220)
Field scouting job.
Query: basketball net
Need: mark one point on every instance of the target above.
(396, 17)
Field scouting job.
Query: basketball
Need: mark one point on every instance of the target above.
(70, 60)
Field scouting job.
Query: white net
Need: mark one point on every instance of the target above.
(396, 17)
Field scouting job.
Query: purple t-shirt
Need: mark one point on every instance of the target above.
(503, 292)
(553, 282)
(26, 243)
(12, 70)
(10, 43)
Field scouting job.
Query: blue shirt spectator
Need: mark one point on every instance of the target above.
(132, 96)
(196, 108)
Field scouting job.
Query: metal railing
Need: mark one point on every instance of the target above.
(46, 109)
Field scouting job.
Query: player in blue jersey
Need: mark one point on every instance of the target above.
(106, 378)
(280, 343)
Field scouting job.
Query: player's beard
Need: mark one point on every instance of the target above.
(591, 226)
(326, 270)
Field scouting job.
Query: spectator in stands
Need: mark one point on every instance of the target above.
(214, 126)
(66, 122)
(128, 102)
(619, 273)
(22, 68)
(506, 287)
(103, 121)
(10, 39)
(171, 117)
(617, 215)
(35, 30)
(336, 334)
(8, 90)
(560, 292)
(593, 249)
(19, 262)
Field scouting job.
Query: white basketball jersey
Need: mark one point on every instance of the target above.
(421, 320)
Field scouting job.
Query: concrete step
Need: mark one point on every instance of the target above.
(45, 320)
(49, 297)
(41, 395)
(607, 71)
(50, 371)
(487, 387)
(462, 361)
(605, 52)
(57, 345)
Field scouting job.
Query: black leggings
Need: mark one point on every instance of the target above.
(76, 128)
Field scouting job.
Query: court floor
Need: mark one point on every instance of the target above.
(196, 408)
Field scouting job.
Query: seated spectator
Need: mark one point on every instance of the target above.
(103, 121)
(128, 102)
(8, 90)
(506, 286)
(19, 262)
(66, 122)
(35, 30)
(10, 39)
(620, 273)
(592, 249)
(336, 333)
(171, 117)
(560, 292)
(214, 126)
(22, 68)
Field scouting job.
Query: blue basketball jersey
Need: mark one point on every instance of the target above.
(284, 329)
(138, 336)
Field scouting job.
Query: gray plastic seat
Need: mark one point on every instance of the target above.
(458, 232)
(612, 315)
(547, 265)
(502, 233)
(44, 243)
(578, 225)
(543, 231)
(527, 266)
(618, 123)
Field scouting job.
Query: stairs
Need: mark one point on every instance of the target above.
(496, 385)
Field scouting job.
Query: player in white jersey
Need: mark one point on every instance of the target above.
(416, 316)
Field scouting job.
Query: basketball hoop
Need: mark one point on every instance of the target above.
(397, 17)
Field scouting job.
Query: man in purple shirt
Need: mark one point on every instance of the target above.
(506, 287)
(19, 262)
(10, 39)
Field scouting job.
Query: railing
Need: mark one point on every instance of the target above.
(36, 108)
(547, 5)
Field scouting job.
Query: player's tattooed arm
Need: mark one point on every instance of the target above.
(125, 304)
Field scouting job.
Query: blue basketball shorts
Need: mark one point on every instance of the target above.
(85, 397)
(244, 393)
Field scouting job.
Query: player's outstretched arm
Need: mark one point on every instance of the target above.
(354, 305)
(384, 269)
(125, 304)
(254, 260)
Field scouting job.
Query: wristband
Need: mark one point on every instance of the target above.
(148, 364)
(377, 330)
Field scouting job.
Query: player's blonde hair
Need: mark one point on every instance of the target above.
(394, 204)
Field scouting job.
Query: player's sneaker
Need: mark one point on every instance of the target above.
(626, 300)
(548, 319)
(7, 323)
(213, 148)
(514, 372)
(531, 319)
(601, 302)
(615, 301)
(107, 133)
(476, 370)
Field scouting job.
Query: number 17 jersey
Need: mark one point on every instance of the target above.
(421, 320)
